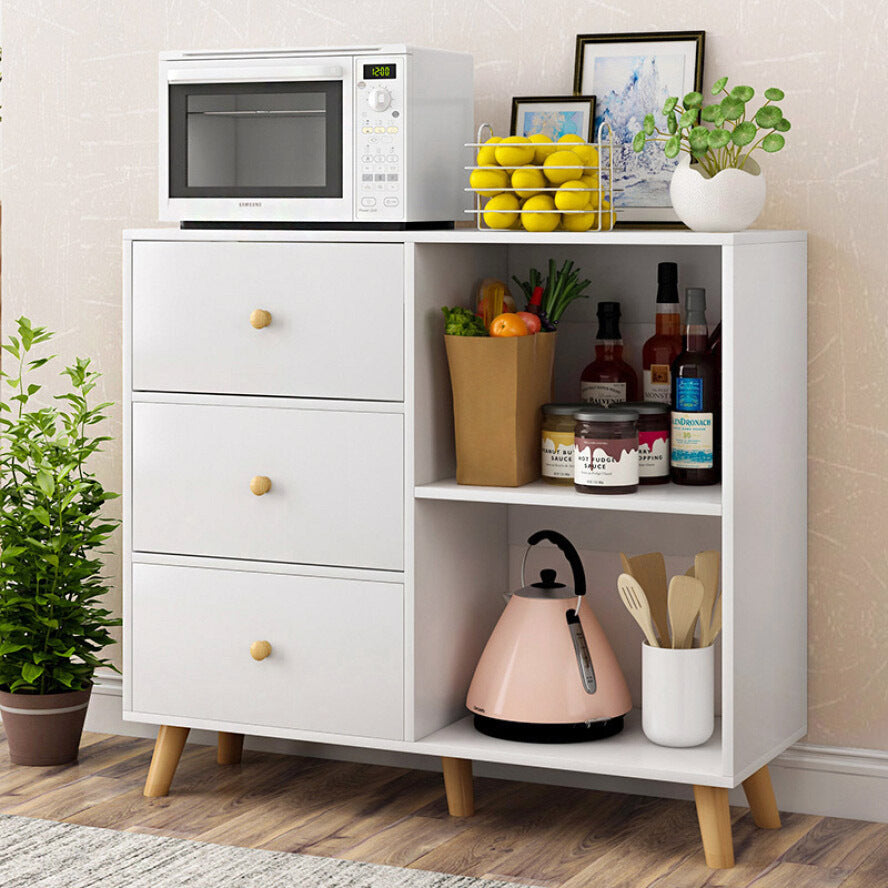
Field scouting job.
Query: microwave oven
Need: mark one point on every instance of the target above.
(367, 136)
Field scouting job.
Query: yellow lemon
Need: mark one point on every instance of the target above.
(489, 181)
(572, 196)
(544, 150)
(588, 155)
(570, 137)
(562, 159)
(528, 180)
(486, 154)
(501, 211)
(578, 221)
(513, 151)
(536, 221)
(608, 218)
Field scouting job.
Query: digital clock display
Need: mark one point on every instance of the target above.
(380, 72)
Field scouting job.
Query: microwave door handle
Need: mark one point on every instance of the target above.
(239, 75)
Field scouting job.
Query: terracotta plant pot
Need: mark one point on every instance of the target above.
(44, 729)
(729, 201)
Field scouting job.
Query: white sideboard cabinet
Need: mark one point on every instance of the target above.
(292, 522)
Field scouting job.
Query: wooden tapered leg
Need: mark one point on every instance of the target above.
(167, 750)
(715, 825)
(760, 795)
(230, 748)
(458, 787)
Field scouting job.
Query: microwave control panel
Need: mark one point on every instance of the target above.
(379, 138)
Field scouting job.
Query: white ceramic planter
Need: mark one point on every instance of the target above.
(677, 695)
(729, 201)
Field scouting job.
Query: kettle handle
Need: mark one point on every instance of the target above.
(570, 553)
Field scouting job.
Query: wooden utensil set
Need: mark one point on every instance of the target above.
(668, 614)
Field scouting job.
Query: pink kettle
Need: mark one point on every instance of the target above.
(548, 673)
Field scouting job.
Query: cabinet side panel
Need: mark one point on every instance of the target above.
(765, 500)
(457, 556)
(126, 388)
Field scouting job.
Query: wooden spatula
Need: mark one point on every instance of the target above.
(632, 595)
(706, 566)
(650, 572)
(708, 636)
(685, 597)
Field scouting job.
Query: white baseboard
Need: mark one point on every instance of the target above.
(825, 780)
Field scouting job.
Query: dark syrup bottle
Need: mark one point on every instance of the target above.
(696, 401)
(665, 345)
(608, 378)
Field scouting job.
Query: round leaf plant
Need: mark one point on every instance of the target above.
(721, 135)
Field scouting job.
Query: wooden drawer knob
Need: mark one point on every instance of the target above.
(260, 484)
(260, 318)
(259, 650)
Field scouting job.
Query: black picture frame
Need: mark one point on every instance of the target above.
(517, 101)
(654, 214)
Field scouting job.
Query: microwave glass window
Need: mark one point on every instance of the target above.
(256, 140)
(387, 71)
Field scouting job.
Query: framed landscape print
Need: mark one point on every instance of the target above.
(632, 75)
(554, 116)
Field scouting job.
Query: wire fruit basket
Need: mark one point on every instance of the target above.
(536, 185)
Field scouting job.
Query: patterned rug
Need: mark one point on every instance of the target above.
(46, 854)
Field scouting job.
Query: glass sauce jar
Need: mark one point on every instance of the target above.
(606, 450)
(557, 449)
(654, 424)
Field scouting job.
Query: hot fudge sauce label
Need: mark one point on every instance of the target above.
(610, 462)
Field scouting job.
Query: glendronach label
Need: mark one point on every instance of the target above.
(606, 462)
(653, 454)
(692, 440)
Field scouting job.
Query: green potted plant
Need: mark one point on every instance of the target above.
(718, 185)
(53, 626)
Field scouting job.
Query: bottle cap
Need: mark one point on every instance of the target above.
(695, 299)
(667, 282)
(667, 273)
(609, 320)
(608, 310)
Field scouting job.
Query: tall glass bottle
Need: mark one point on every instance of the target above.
(608, 378)
(696, 401)
(664, 346)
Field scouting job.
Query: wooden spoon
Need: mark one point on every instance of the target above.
(632, 595)
(706, 566)
(650, 572)
(685, 597)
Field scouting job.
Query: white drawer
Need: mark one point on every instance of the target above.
(337, 319)
(337, 650)
(337, 484)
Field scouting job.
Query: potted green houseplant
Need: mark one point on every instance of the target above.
(53, 627)
(718, 185)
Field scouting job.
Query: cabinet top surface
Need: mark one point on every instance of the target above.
(619, 237)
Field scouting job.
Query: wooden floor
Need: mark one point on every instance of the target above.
(526, 833)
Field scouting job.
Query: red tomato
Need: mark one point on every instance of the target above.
(531, 321)
(508, 324)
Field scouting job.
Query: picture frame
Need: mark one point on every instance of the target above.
(554, 116)
(619, 69)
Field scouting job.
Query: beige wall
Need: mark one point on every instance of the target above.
(79, 147)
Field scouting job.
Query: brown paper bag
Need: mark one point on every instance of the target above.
(499, 385)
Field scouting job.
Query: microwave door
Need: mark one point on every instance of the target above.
(257, 148)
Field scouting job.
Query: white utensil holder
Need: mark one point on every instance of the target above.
(677, 690)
